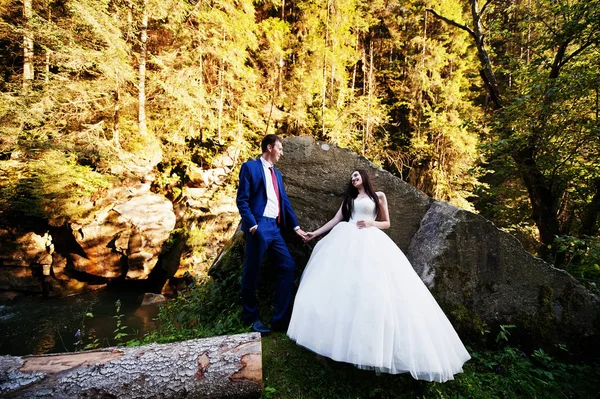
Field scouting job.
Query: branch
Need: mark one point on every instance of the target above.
(454, 23)
(487, 3)
(576, 52)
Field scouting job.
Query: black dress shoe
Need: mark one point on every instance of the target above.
(259, 327)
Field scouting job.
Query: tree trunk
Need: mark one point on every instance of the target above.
(544, 202)
(48, 51)
(142, 71)
(216, 367)
(28, 73)
(117, 99)
(367, 132)
(589, 224)
(355, 64)
(324, 93)
(222, 89)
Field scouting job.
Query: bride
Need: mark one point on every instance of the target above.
(361, 302)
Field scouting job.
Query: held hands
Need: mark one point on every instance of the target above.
(309, 236)
(362, 224)
(302, 234)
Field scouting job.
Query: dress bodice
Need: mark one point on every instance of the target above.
(363, 209)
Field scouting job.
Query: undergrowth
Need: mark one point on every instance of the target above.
(290, 371)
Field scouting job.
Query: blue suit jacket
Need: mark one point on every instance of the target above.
(252, 196)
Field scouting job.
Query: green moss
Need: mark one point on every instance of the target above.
(231, 260)
(467, 322)
(542, 323)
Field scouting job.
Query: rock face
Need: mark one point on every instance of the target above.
(481, 276)
(315, 175)
(133, 230)
(478, 271)
(31, 258)
(121, 236)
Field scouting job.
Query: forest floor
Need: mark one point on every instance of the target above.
(290, 371)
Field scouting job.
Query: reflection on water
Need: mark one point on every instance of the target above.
(48, 325)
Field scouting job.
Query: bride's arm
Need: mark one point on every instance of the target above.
(384, 215)
(327, 226)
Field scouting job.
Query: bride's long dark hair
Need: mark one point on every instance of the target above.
(352, 192)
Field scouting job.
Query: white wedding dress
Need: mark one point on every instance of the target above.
(361, 302)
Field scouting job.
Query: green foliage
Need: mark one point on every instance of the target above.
(120, 331)
(50, 185)
(510, 373)
(433, 130)
(547, 119)
(207, 309)
(93, 342)
(504, 333)
(581, 258)
(91, 338)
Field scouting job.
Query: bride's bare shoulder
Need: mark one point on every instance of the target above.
(381, 195)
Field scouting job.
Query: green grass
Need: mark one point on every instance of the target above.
(290, 371)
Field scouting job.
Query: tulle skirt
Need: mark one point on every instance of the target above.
(361, 302)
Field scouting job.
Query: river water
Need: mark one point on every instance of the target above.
(36, 325)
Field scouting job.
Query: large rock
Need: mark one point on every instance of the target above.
(478, 271)
(121, 235)
(315, 175)
(124, 237)
(481, 276)
(29, 259)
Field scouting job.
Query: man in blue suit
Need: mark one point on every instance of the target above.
(265, 209)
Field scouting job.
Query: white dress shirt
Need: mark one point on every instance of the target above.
(272, 208)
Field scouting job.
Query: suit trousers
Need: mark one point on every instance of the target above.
(267, 238)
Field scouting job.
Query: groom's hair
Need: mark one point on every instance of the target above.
(269, 139)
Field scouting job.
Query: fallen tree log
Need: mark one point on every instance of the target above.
(216, 367)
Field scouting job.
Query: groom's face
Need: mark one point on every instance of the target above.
(276, 152)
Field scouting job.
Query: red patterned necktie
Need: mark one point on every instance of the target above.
(276, 187)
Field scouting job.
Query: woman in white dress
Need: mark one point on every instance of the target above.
(361, 302)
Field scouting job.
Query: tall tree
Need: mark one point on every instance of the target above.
(28, 72)
(142, 69)
(541, 105)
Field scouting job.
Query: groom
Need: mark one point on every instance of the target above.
(265, 208)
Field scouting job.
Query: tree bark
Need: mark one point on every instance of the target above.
(142, 71)
(324, 91)
(28, 73)
(117, 99)
(367, 132)
(216, 367)
(221, 88)
(589, 224)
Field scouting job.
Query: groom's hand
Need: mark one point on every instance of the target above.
(301, 233)
(309, 236)
(253, 229)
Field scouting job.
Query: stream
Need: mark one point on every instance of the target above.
(37, 325)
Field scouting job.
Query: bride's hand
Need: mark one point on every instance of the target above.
(365, 223)
(309, 236)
